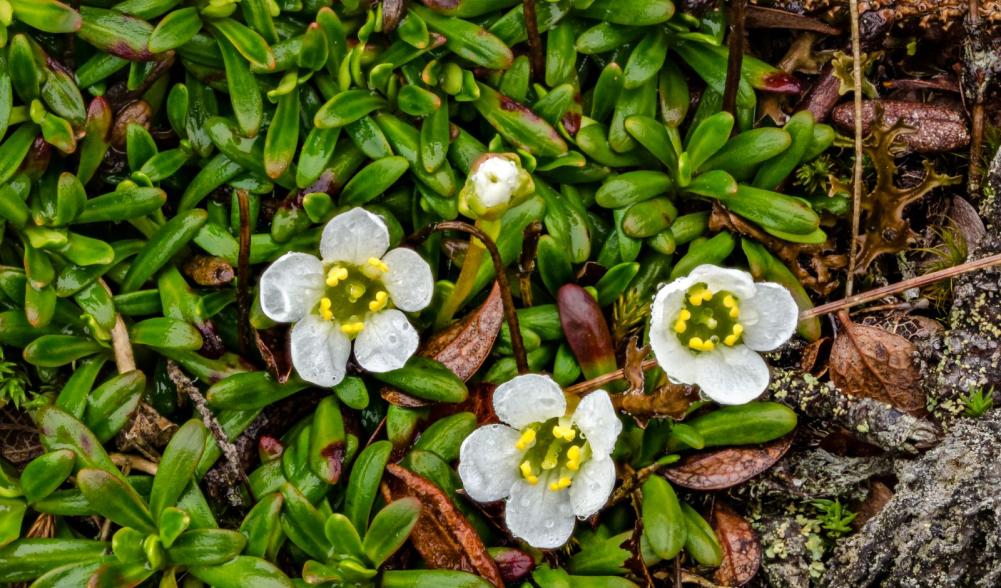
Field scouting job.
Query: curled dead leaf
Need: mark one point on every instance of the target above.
(741, 547)
(514, 564)
(879, 495)
(872, 363)
(442, 535)
(669, 400)
(273, 347)
(207, 270)
(719, 469)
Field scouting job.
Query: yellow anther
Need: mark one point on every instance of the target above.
(352, 329)
(355, 291)
(380, 302)
(707, 295)
(684, 315)
(695, 299)
(573, 458)
(325, 311)
(528, 474)
(698, 344)
(564, 432)
(730, 340)
(729, 301)
(734, 312)
(335, 275)
(378, 264)
(738, 329)
(560, 484)
(526, 440)
(680, 326)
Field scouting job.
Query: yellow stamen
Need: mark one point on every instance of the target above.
(695, 343)
(738, 329)
(352, 329)
(707, 295)
(684, 315)
(734, 312)
(355, 291)
(573, 458)
(378, 264)
(526, 440)
(528, 474)
(335, 275)
(560, 484)
(325, 311)
(730, 340)
(729, 301)
(564, 432)
(380, 302)
(680, 326)
(695, 299)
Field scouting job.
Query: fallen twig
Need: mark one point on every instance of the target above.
(857, 169)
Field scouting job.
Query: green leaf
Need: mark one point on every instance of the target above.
(177, 466)
(113, 498)
(242, 572)
(390, 528)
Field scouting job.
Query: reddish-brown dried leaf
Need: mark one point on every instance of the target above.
(759, 17)
(514, 564)
(934, 127)
(444, 537)
(718, 469)
(669, 400)
(586, 331)
(464, 346)
(207, 270)
(879, 495)
(397, 398)
(273, 347)
(741, 547)
(872, 363)
(137, 113)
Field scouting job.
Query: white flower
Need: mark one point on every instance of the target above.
(496, 182)
(551, 466)
(708, 327)
(356, 292)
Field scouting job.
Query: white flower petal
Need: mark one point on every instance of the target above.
(387, 341)
(673, 357)
(488, 462)
(769, 317)
(596, 419)
(354, 236)
(291, 286)
(495, 180)
(591, 486)
(319, 351)
(527, 399)
(739, 282)
(732, 375)
(541, 517)
(409, 280)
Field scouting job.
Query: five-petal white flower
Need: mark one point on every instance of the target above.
(551, 466)
(708, 327)
(355, 292)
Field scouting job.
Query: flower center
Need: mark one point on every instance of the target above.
(554, 450)
(353, 292)
(708, 318)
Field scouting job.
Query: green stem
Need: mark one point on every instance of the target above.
(467, 275)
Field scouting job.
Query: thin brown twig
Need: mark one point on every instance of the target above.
(891, 289)
(595, 383)
(229, 451)
(536, 58)
(973, 42)
(735, 44)
(243, 271)
(128, 463)
(857, 170)
(529, 247)
(517, 344)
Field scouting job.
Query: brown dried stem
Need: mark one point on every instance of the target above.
(187, 386)
(859, 153)
(891, 289)
(536, 58)
(738, 12)
(510, 314)
(243, 271)
(595, 383)
(977, 112)
(530, 246)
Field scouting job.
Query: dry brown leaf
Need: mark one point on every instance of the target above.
(442, 536)
(633, 366)
(741, 547)
(933, 127)
(879, 495)
(669, 400)
(208, 270)
(272, 344)
(873, 363)
(465, 345)
(718, 469)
